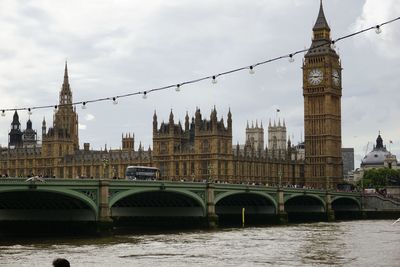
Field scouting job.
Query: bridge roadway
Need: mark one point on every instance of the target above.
(107, 201)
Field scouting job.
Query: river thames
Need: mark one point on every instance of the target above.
(350, 243)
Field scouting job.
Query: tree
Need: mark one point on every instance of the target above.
(382, 177)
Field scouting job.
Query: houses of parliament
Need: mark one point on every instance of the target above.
(201, 148)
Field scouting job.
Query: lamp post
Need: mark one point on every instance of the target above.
(105, 166)
(209, 170)
(362, 184)
(327, 183)
(362, 191)
(280, 176)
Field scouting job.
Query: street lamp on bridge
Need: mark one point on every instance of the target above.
(280, 176)
(209, 170)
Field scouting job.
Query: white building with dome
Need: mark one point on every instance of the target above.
(379, 157)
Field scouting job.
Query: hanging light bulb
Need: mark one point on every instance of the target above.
(333, 45)
(214, 79)
(3, 113)
(115, 101)
(55, 107)
(144, 95)
(378, 29)
(178, 88)
(291, 58)
(83, 105)
(29, 111)
(251, 71)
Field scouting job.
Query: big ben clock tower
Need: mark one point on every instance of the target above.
(322, 93)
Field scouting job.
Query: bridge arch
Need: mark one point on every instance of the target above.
(304, 203)
(158, 203)
(345, 203)
(48, 204)
(253, 202)
(262, 194)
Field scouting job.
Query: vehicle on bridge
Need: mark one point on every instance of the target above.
(142, 173)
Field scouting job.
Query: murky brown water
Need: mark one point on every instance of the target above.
(355, 243)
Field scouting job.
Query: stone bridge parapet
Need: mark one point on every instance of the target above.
(106, 200)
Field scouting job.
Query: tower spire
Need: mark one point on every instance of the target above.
(321, 35)
(65, 94)
(321, 22)
(66, 73)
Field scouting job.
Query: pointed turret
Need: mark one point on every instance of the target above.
(29, 124)
(15, 119)
(66, 81)
(213, 117)
(155, 123)
(65, 94)
(187, 122)
(180, 125)
(379, 142)
(171, 123)
(171, 118)
(15, 135)
(229, 121)
(140, 146)
(29, 135)
(43, 127)
(198, 116)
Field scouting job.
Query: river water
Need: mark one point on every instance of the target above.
(351, 243)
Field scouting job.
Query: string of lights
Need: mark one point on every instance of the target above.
(213, 78)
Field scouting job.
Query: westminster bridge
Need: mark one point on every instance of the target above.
(106, 202)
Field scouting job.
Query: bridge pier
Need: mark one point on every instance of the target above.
(104, 221)
(330, 213)
(363, 213)
(281, 214)
(211, 216)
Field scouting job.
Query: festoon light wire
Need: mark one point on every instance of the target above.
(213, 77)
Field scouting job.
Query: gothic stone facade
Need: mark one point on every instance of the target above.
(59, 155)
(202, 150)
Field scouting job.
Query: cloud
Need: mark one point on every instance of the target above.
(89, 117)
(118, 47)
(82, 126)
(375, 12)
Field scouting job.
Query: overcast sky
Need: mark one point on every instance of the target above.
(117, 47)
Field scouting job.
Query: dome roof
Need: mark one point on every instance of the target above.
(377, 156)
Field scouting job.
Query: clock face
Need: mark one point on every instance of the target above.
(315, 76)
(336, 77)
